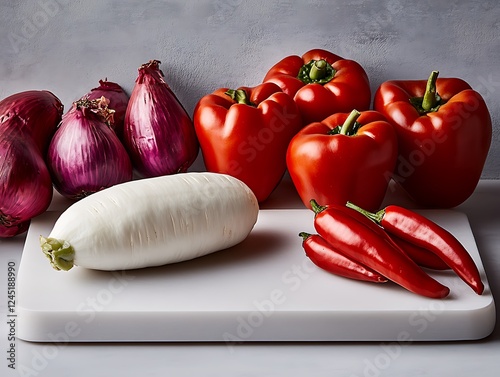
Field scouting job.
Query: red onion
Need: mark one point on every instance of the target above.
(85, 155)
(14, 230)
(25, 184)
(27, 122)
(40, 112)
(159, 134)
(118, 101)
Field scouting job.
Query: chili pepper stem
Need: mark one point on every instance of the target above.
(304, 235)
(316, 207)
(430, 98)
(349, 122)
(374, 216)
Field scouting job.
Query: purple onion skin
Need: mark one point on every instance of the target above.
(159, 134)
(14, 230)
(118, 101)
(25, 184)
(40, 112)
(86, 156)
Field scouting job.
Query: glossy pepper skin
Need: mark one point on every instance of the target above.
(421, 256)
(443, 140)
(321, 253)
(322, 83)
(423, 232)
(361, 243)
(245, 133)
(347, 156)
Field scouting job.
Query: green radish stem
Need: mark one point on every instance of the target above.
(60, 253)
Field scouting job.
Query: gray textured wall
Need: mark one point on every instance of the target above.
(67, 46)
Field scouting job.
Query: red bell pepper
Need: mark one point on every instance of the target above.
(344, 157)
(444, 134)
(245, 133)
(423, 232)
(322, 83)
(361, 243)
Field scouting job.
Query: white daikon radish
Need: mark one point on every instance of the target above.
(152, 222)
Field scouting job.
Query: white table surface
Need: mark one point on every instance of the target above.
(471, 358)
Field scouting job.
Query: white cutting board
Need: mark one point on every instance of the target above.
(264, 289)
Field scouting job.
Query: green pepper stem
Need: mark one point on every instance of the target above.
(304, 235)
(430, 97)
(376, 217)
(60, 253)
(239, 95)
(316, 207)
(349, 122)
(318, 70)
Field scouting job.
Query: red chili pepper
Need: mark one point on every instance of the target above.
(361, 243)
(321, 253)
(421, 256)
(421, 231)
